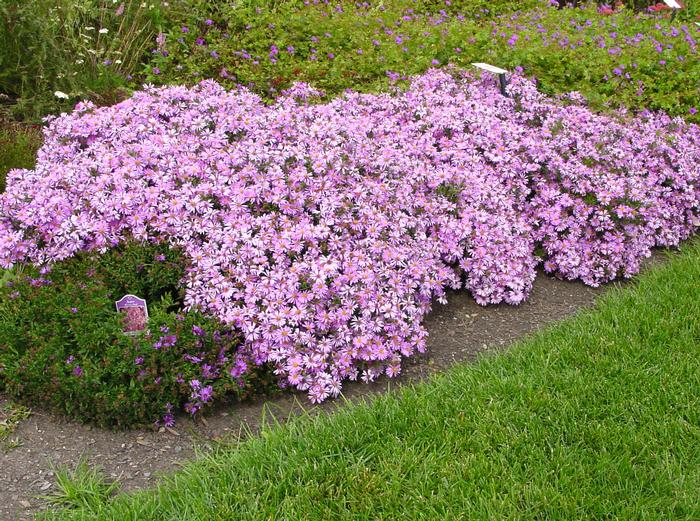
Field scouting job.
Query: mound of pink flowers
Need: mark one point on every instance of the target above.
(323, 232)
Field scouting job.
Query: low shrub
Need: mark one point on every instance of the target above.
(62, 345)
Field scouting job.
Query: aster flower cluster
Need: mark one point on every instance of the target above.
(323, 232)
(610, 189)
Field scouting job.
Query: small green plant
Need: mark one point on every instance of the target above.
(54, 53)
(82, 487)
(10, 415)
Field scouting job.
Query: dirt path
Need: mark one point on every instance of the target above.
(459, 331)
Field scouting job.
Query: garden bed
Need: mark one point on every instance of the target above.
(311, 239)
(285, 237)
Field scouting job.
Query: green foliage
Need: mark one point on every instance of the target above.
(450, 191)
(249, 28)
(85, 49)
(612, 60)
(368, 47)
(18, 146)
(62, 345)
(82, 487)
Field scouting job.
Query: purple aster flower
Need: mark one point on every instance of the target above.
(205, 393)
(239, 368)
(198, 331)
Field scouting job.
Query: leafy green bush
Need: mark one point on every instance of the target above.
(627, 59)
(83, 49)
(366, 47)
(62, 345)
(333, 46)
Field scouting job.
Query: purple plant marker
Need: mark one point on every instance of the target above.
(135, 311)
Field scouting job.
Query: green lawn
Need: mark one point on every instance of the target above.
(595, 418)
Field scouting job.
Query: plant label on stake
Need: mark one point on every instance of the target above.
(135, 313)
(495, 70)
(673, 4)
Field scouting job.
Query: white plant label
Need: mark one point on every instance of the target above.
(673, 4)
(490, 68)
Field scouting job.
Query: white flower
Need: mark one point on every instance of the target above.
(117, 62)
(104, 30)
(61, 95)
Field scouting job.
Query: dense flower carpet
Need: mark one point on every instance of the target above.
(324, 231)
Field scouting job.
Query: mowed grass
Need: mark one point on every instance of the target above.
(595, 418)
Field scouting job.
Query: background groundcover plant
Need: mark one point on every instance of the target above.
(616, 57)
(321, 232)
